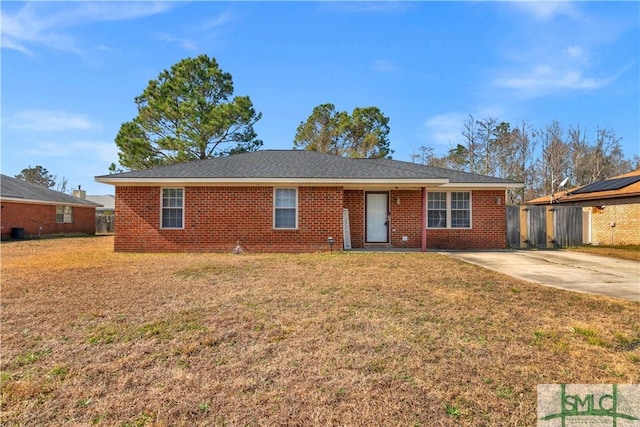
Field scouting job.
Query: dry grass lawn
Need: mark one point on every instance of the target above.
(631, 252)
(93, 337)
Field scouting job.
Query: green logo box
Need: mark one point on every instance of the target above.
(592, 405)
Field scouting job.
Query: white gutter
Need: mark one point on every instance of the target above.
(382, 183)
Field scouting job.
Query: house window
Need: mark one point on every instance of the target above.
(449, 209)
(460, 210)
(285, 208)
(64, 214)
(172, 212)
(437, 210)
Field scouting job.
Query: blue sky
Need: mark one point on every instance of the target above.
(71, 70)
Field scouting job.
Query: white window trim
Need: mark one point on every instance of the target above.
(448, 204)
(275, 189)
(161, 207)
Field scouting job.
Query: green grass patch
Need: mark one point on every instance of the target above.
(591, 336)
(31, 357)
(59, 372)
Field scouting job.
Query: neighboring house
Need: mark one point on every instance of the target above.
(294, 201)
(611, 208)
(29, 210)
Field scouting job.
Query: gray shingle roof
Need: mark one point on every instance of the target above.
(15, 189)
(454, 176)
(301, 164)
(108, 201)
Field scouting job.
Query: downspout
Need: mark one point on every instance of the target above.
(423, 222)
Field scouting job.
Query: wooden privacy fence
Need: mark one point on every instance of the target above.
(105, 223)
(544, 226)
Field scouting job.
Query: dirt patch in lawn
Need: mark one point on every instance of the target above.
(90, 336)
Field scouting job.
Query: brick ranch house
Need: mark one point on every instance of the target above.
(611, 209)
(295, 200)
(29, 210)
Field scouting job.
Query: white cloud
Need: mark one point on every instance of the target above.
(211, 24)
(367, 6)
(105, 151)
(444, 129)
(48, 149)
(186, 44)
(543, 79)
(546, 10)
(49, 121)
(577, 54)
(218, 21)
(574, 51)
(86, 150)
(548, 55)
(44, 24)
(26, 28)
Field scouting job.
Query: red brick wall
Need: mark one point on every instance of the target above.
(354, 201)
(488, 222)
(216, 218)
(33, 216)
(405, 220)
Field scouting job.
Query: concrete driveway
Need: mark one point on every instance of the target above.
(574, 271)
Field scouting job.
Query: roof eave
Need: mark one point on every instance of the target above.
(49, 202)
(346, 182)
(547, 200)
(271, 181)
(497, 185)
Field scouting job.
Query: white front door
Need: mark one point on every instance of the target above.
(377, 217)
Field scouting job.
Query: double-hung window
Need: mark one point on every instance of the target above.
(449, 209)
(172, 211)
(437, 210)
(64, 214)
(460, 209)
(285, 208)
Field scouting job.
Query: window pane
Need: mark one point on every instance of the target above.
(172, 218)
(459, 200)
(460, 219)
(437, 219)
(437, 201)
(285, 218)
(169, 192)
(68, 215)
(285, 198)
